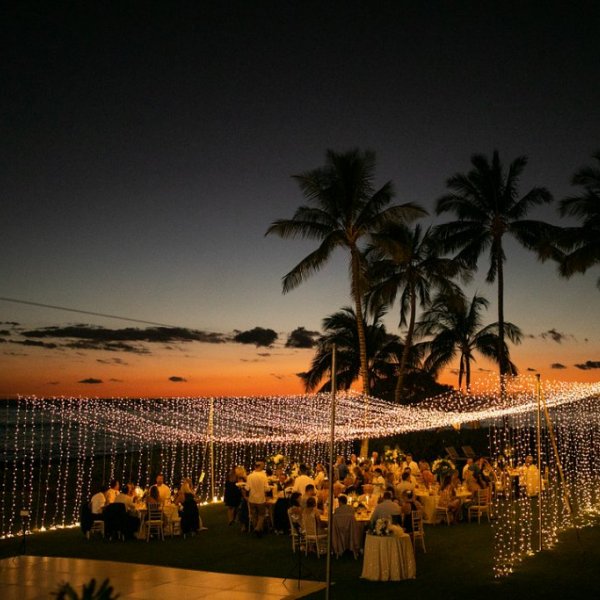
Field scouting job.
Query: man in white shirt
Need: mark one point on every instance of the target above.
(257, 485)
(467, 468)
(97, 502)
(164, 493)
(409, 463)
(302, 480)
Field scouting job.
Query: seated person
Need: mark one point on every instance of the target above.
(125, 497)
(154, 498)
(405, 485)
(448, 499)
(98, 502)
(426, 475)
(408, 504)
(343, 508)
(295, 510)
(386, 509)
(309, 492)
(311, 511)
(113, 489)
(378, 482)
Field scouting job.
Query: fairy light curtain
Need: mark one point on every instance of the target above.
(55, 450)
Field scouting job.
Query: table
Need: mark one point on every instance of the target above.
(429, 504)
(388, 558)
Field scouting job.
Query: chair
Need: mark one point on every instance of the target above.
(312, 537)
(296, 533)
(452, 454)
(469, 452)
(154, 522)
(418, 531)
(174, 526)
(97, 527)
(115, 521)
(344, 535)
(481, 506)
(441, 513)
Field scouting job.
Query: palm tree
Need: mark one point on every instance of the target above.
(407, 261)
(583, 241)
(487, 204)
(345, 209)
(340, 329)
(456, 328)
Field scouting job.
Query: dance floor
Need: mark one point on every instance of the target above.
(35, 577)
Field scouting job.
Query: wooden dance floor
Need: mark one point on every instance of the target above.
(36, 577)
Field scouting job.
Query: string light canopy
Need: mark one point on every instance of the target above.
(56, 451)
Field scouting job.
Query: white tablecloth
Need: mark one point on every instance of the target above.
(429, 505)
(388, 558)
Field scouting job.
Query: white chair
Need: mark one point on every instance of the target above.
(296, 533)
(313, 537)
(154, 523)
(418, 531)
(442, 513)
(97, 527)
(481, 506)
(174, 526)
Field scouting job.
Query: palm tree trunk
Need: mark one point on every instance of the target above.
(501, 346)
(468, 374)
(362, 338)
(461, 371)
(407, 345)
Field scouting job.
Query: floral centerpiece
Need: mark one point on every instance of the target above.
(276, 461)
(442, 467)
(381, 527)
(392, 455)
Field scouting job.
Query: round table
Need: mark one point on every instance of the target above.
(388, 558)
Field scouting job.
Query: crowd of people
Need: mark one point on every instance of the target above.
(122, 506)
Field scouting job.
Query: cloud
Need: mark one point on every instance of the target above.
(16, 353)
(556, 336)
(301, 338)
(589, 364)
(252, 360)
(277, 376)
(177, 379)
(35, 343)
(116, 380)
(107, 346)
(128, 334)
(4, 332)
(90, 380)
(263, 354)
(257, 336)
(53, 383)
(112, 361)
(531, 369)
(3, 341)
(557, 366)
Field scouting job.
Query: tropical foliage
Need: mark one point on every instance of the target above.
(407, 262)
(488, 207)
(455, 328)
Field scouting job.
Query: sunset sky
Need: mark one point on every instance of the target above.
(144, 156)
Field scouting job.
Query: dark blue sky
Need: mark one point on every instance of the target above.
(144, 154)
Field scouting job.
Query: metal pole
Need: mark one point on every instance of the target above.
(330, 475)
(539, 459)
(211, 433)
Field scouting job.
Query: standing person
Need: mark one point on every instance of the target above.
(232, 495)
(302, 480)
(164, 493)
(257, 485)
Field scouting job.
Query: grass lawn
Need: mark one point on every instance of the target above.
(458, 562)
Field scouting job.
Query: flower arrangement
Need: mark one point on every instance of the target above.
(276, 461)
(442, 467)
(381, 528)
(391, 455)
